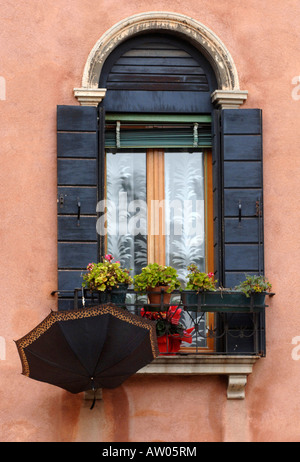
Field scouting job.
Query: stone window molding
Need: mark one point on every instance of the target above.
(235, 367)
(228, 94)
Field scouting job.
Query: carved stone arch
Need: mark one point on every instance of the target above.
(228, 93)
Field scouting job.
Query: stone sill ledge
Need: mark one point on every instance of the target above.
(236, 367)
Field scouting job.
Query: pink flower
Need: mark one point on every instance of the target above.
(211, 275)
(90, 266)
(108, 257)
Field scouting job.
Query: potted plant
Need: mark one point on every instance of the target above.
(197, 282)
(249, 294)
(254, 288)
(200, 281)
(158, 281)
(108, 279)
(169, 331)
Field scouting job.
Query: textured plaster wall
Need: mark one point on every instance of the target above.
(43, 49)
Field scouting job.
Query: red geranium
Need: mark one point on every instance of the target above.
(170, 332)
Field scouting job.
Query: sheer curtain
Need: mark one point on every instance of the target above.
(126, 188)
(126, 209)
(185, 225)
(185, 219)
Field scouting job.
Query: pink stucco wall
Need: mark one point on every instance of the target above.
(44, 46)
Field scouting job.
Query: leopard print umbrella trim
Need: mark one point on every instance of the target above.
(57, 316)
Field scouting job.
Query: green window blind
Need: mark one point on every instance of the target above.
(125, 131)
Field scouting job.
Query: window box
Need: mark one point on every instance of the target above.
(223, 301)
(224, 323)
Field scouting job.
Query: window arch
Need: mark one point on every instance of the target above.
(228, 93)
(157, 73)
(193, 31)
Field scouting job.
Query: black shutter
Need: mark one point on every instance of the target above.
(241, 150)
(217, 196)
(77, 179)
(239, 205)
(156, 73)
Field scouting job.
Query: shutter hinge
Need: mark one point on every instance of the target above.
(258, 209)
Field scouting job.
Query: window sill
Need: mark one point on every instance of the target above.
(236, 367)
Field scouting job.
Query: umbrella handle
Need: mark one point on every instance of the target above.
(94, 390)
(83, 298)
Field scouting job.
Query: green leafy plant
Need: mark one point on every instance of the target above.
(199, 281)
(253, 284)
(155, 275)
(105, 275)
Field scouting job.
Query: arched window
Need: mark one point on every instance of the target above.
(158, 154)
(161, 110)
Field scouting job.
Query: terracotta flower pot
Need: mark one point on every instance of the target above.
(156, 296)
(168, 344)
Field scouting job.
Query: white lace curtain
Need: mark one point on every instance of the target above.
(184, 209)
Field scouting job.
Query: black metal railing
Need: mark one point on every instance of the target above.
(217, 322)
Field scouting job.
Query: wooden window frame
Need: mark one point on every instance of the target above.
(155, 173)
(155, 192)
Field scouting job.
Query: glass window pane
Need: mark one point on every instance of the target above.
(184, 210)
(126, 209)
(185, 225)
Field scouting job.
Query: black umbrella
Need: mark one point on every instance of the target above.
(86, 349)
